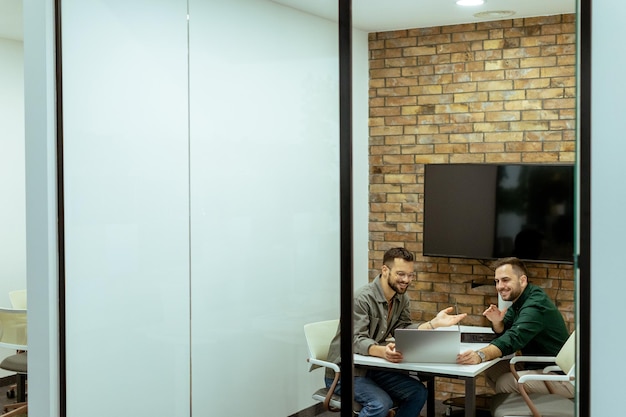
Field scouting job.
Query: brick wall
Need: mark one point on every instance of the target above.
(475, 93)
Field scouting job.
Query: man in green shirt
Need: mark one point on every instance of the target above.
(532, 325)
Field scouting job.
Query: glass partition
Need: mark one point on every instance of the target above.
(264, 186)
(201, 180)
(126, 198)
(202, 177)
(12, 158)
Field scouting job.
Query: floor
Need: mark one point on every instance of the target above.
(441, 409)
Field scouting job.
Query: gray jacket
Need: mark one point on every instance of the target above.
(371, 324)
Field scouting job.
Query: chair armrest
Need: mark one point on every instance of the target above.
(552, 368)
(516, 359)
(543, 377)
(325, 364)
(522, 359)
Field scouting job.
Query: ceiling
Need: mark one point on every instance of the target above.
(385, 15)
(370, 15)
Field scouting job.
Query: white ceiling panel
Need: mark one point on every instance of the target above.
(385, 15)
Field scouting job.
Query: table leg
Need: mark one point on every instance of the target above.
(430, 399)
(470, 397)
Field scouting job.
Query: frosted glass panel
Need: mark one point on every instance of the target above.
(608, 199)
(12, 209)
(265, 202)
(126, 207)
(12, 179)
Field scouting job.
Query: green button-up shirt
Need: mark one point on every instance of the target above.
(532, 325)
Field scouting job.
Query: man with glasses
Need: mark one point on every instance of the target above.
(380, 308)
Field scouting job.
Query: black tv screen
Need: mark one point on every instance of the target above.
(489, 211)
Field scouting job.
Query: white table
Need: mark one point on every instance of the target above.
(467, 373)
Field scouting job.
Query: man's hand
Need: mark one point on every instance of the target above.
(469, 357)
(493, 314)
(391, 354)
(445, 319)
(387, 352)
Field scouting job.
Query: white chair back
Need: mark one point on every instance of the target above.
(566, 358)
(318, 337)
(13, 329)
(18, 299)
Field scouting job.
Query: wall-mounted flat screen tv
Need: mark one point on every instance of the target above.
(489, 211)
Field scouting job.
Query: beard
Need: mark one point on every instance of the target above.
(397, 288)
(512, 295)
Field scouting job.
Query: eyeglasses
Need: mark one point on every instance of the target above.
(402, 275)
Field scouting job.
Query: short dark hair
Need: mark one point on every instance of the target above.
(517, 265)
(394, 253)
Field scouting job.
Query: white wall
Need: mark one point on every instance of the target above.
(194, 257)
(12, 187)
(360, 156)
(608, 202)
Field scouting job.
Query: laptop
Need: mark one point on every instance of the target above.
(428, 346)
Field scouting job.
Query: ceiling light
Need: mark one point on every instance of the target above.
(469, 2)
(495, 14)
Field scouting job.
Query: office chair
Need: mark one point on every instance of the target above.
(318, 337)
(538, 404)
(13, 335)
(18, 300)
